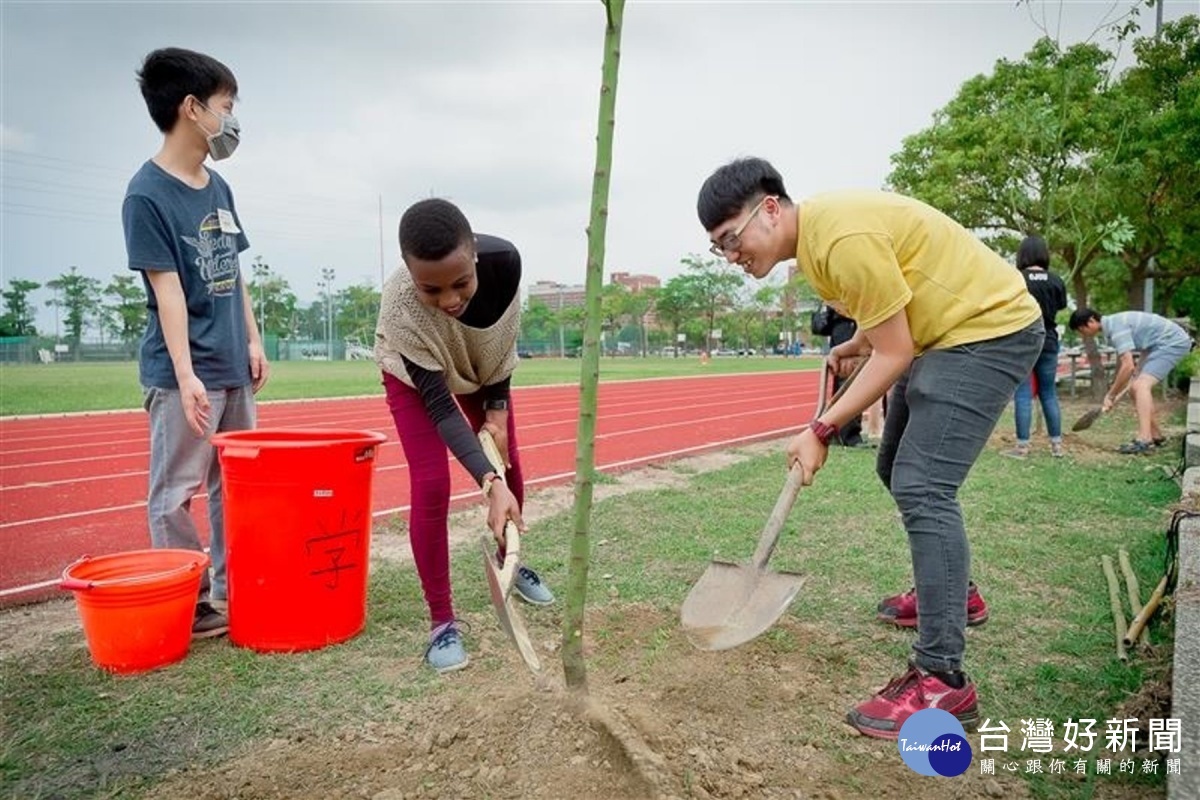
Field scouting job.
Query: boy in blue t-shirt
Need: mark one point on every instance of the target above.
(201, 359)
(1162, 343)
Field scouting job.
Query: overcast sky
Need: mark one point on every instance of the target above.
(492, 105)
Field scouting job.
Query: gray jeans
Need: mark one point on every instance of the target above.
(940, 415)
(180, 463)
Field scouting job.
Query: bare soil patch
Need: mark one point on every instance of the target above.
(744, 723)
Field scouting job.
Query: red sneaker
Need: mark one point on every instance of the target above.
(901, 609)
(883, 714)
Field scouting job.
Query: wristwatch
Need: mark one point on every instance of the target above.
(824, 431)
(496, 404)
(487, 484)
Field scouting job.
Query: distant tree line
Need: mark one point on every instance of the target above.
(86, 308)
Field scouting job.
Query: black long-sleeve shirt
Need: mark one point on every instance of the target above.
(498, 271)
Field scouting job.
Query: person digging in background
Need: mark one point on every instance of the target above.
(945, 320)
(1163, 344)
(447, 332)
(1033, 260)
(827, 321)
(201, 359)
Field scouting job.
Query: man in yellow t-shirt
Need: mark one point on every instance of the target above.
(946, 323)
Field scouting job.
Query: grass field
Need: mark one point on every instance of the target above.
(1038, 528)
(62, 387)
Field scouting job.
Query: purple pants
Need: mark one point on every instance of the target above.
(429, 484)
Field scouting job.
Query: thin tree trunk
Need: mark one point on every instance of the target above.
(574, 668)
(1098, 379)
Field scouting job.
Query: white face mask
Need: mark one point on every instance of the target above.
(222, 143)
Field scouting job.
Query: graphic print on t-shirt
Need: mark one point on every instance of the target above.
(216, 255)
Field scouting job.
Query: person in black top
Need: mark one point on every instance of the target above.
(1033, 259)
(839, 329)
(446, 343)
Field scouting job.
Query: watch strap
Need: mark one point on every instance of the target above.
(487, 484)
(824, 431)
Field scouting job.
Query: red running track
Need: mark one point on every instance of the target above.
(75, 484)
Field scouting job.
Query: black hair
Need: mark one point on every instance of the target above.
(1081, 317)
(728, 190)
(170, 74)
(433, 229)
(1033, 252)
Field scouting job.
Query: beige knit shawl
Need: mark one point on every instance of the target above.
(470, 358)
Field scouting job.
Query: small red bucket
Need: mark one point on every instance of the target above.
(137, 607)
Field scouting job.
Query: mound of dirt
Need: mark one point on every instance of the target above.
(750, 722)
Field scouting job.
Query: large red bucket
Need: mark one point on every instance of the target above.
(137, 607)
(297, 534)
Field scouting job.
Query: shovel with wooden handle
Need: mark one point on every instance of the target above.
(734, 603)
(500, 577)
(1091, 415)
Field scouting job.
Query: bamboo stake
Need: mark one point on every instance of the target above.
(1138, 626)
(1135, 599)
(574, 668)
(1114, 597)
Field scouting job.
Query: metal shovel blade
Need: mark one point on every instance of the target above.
(1086, 421)
(509, 616)
(734, 603)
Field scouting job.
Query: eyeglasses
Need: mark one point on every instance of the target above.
(733, 240)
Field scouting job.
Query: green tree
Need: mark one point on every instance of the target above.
(127, 313)
(714, 288)
(273, 299)
(571, 322)
(1015, 152)
(638, 305)
(614, 310)
(357, 309)
(1154, 138)
(537, 320)
(764, 304)
(309, 323)
(77, 298)
(677, 302)
(19, 313)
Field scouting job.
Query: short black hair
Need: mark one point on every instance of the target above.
(1081, 317)
(433, 229)
(731, 187)
(1033, 252)
(170, 74)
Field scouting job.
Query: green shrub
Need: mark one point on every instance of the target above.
(1181, 376)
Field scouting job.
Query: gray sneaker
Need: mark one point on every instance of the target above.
(445, 652)
(1020, 451)
(531, 589)
(208, 622)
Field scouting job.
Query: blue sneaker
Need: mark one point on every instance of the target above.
(445, 652)
(531, 589)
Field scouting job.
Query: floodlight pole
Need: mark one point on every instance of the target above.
(1148, 284)
(328, 274)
